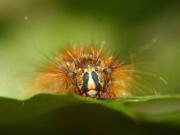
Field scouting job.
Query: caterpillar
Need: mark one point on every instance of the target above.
(86, 71)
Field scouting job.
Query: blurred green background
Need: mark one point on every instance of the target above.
(32, 29)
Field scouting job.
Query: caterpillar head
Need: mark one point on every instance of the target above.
(91, 80)
(87, 72)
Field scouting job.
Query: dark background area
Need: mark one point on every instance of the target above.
(89, 119)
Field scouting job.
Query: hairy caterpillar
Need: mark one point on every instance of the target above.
(87, 71)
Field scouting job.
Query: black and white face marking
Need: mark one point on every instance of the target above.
(90, 82)
(96, 81)
(85, 79)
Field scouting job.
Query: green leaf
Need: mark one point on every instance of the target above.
(70, 114)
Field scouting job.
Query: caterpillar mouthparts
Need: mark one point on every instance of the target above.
(87, 71)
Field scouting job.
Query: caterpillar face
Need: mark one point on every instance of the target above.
(90, 80)
(86, 72)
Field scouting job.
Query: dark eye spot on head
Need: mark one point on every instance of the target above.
(71, 74)
(107, 70)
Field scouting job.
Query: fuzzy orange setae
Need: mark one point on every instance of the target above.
(87, 71)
